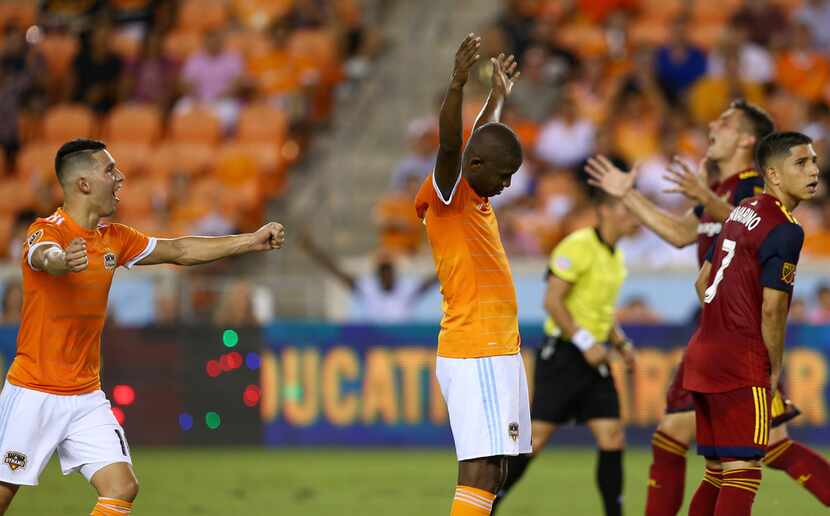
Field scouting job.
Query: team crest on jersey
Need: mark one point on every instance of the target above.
(110, 260)
(788, 273)
(34, 237)
(513, 431)
(15, 460)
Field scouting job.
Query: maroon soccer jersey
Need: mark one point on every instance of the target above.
(734, 189)
(757, 248)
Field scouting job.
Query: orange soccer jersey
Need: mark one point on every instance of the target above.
(59, 341)
(480, 312)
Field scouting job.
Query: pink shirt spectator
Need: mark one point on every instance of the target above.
(212, 76)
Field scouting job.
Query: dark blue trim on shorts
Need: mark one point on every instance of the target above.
(731, 452)
(680, 410)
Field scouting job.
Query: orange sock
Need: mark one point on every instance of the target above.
(470, 501)
(111, 507)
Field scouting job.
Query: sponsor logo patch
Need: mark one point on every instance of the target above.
(110, 260)
(788, 273)
(563, 263)
(15, 460)
(513, 431)
(34, 237)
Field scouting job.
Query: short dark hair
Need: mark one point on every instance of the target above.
(759, 120)
(776, 144)
(82, 148)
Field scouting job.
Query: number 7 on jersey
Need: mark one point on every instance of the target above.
(729, 247)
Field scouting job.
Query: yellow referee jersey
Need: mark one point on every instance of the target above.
(597, 271)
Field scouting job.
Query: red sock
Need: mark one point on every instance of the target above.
(706, 496)
(803, 465)
(737, 492)
(667, 476)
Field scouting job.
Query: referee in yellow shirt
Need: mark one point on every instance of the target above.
(573, 382)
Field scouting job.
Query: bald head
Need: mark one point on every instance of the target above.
(492, 156)
(495, 140)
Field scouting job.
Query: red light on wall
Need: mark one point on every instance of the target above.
(123, 395)
(225, 362)
(235, 360)
(251, 396)
(119, 415)
(213, 368)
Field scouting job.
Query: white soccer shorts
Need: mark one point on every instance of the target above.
(488, 404)
(34, 424)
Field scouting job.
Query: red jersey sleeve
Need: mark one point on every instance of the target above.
(42, 232)
(134, 245)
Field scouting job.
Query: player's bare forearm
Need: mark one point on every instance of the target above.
(56, 261)
(617, 337)
(555, 296)
(716, 207)
(775, 306)
(703, 281)
(491, 112)
(676, 230)
(450, 127)
(196, 250)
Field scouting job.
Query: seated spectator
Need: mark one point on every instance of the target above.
(12, 303)
(382, 296)
(762, 19)
(712, 94)
(213, 77)
(21, 71)
(277, 75)
(755, 63)
(152, 76)
(650, 179)
(821, 313)
(817, 243)
(679, 63)
(540, 89)
(419, 162)
(97, 71)
(800, 69)
(567, 139)
(401, 231)
(816, 15)
(236, 305)
(636, 310)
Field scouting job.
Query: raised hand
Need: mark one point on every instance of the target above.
(605, 175)
(687, 182)
(465, 58)
(505, 74)
(75, 256)
(270, 236)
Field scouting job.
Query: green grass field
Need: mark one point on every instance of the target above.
(254, 482)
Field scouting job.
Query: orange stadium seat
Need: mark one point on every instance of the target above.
(272, 166)
(258, 14)
(181, 158)
(661, 9)
(201, 15)
(6, 228)
(29, 126)
(15, 194)
(262, 123)
(137, 199)
(59, 50)
(179, 44)
(22, 13)
(707, 35)
(134, 123)
(317, 50)
(36, 161)
(236, 165)
(585, 40)
(3, 164)
(126, 45)
(248, 42)
(132, 158)
(649, 31)
(66, 122)
(197, 124)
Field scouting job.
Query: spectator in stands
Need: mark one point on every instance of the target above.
(798, 312)
(755, 63)
(541, 88)
(213, 77)
(22, 221)
(383, 296)
(800, 69)
(764, 21)
(277, 75)
(650, 179)
(712, 94)
(12, 303)
(567, 139)
(401, 231)
(309, 14)
(817, 243)
(636, 310)
(97, 71)
(235, 307)
(679, 63)
(422, 140)
(516, 24)
(821, 313)
(21, 71)
(152, 77)
(816, 15)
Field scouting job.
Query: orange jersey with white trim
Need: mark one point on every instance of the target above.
(480, 310)
(59, 340)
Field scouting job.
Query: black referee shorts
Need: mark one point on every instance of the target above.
(567, 389)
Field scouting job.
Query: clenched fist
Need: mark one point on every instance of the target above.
(270, 236)
(75, 255)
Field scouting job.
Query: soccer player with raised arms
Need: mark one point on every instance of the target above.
(735, 357)
(52, 399)
(479, 367)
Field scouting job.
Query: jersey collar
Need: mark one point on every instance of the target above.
(610, 247)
